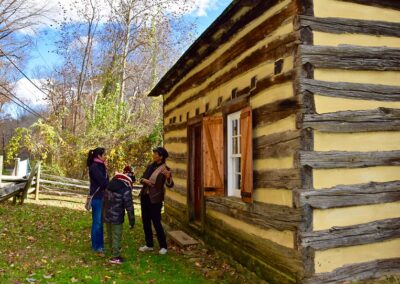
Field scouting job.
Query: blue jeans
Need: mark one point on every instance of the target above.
(97, 225)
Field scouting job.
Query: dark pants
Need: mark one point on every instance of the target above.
(114, 235)
(151, 213)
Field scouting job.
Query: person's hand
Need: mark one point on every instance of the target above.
(167, 173)
(146, 181)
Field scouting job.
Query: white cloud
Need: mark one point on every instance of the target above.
(29, 94)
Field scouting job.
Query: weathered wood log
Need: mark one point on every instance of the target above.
(351, 57)
(239, 243)
(276, 145)
(351, 90)
(239, 47)
(359, 271)
(352, 195)
(13, 179)
(278, 48)
(378, 3)
(179, 173)
(178, 189)
(336, 159)
(176, 140)
(351, 26)
(382, 119)
(184, 65)
(265, 216)
(10, 191)
(287, 178)
(65, 179)
(28, 183)
(275, 111)
(178, 157)
(174, 126)
(359, 234)
(64, 184)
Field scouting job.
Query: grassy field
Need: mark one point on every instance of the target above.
(49, 242)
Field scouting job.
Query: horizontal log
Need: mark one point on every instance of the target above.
(285, 260)
(175, 140)
(13, 179)
(350, 26)
(351, 90)
(281, 47)
(174, 126)
(275, 111)
(265, 216)
(178, 189)
(378, 3)
(179, 173)
(381, 119)
(336, 159)
(178, 157)
(360, 234)
(66, 179)
(351, 57)
(276, 145)
(10, 191)
(359, 271)
(63, 184)
(351, 195)
(236, 50)
(287, 178)
(176, 210)
(184, 65)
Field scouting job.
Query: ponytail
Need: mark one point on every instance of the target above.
(94, 154)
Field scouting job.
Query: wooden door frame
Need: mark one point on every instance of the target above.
(196, 121)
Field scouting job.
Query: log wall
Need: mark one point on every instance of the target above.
(262, 235)
(348, 79)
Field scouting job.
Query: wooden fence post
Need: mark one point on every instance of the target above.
(16, 167)
(1, 168)
(37, 182)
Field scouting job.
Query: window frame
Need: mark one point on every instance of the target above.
(232, 188)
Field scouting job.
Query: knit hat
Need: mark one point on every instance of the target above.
(128, 169)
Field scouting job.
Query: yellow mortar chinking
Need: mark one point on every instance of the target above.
(283, 238)
(324, 219)
(341, 9)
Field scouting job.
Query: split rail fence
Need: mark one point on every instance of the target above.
(36, 182)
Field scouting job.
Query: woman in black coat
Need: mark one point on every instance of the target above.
(152, 196)
(98, 183)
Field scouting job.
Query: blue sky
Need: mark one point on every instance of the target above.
(43, 55)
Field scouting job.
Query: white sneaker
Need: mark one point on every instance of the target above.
(163, 251)
(145, 248)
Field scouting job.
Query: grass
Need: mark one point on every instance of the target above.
(49, 242)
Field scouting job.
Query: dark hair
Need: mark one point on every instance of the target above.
(94, 154)
(162, 152)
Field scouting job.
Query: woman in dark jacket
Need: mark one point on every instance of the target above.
(98, 183)
(117, 199)
(152, 196)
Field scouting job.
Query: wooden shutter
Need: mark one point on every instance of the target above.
(246, 149)
(213, 150)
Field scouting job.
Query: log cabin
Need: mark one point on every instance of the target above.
(283, 125)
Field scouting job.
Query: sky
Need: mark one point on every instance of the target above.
(42, 55)
(204, 12)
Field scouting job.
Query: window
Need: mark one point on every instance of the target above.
(234, 157)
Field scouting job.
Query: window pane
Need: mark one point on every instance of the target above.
(238, 182)
(234, 127)
(235, 146)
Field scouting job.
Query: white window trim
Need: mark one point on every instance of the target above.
(231, 175)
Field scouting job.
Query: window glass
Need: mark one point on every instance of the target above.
(233, 154)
